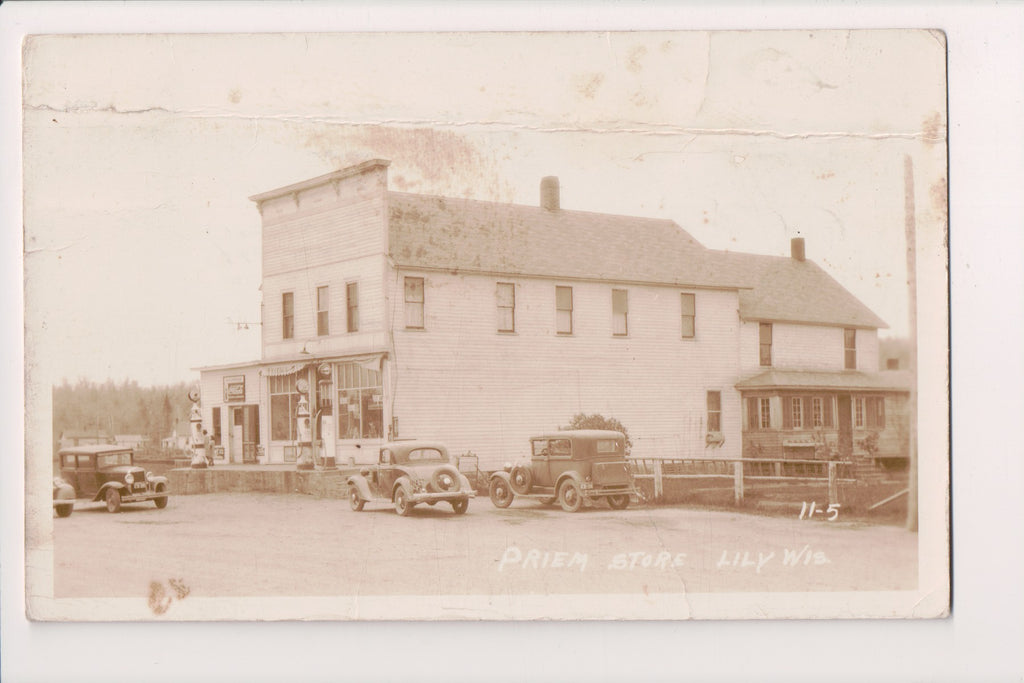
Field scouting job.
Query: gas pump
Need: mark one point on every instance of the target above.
(303, 429)
(195, 420)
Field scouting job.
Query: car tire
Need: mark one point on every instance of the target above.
(113, 499)
(402, 505)
(460, 506)
(501, 493)
(64, 510)
(354, 500)
(569, 496)
(521, 479)
(619, 502)
(161, 502)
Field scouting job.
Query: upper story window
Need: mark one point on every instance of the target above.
(323, 305)
(352, 306)
(797, 412)
(287, 315)
(689, 315)
(563, 310)
(765, 333)
(858, 412)
(506, 294)
(620, 312)
(764, 413)
(414, 301)
(850, 348)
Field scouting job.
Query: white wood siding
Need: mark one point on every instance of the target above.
(806, 347)
(330, 235)
(461, 381)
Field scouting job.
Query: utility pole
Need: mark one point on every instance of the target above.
(911, 236)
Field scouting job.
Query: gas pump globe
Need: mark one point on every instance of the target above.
(303, 431)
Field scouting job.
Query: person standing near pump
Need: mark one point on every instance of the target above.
(208, 448)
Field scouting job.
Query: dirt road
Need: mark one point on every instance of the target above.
(225, 545)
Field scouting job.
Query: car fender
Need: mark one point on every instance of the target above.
(464, 482)
(405, 483)
(501, 474)
(575, 476)
(157, 479)
(101, 494)
(64, 491)
(362, 486)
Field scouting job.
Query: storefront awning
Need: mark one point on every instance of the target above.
(850, 380)
(280, 370)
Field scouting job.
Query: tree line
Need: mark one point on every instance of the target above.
(121, 408)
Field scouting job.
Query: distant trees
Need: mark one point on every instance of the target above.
(597, 421)
(124, 408)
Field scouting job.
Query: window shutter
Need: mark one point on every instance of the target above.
(787, 412)
(753, 413)
(776, 412)
(808, 412)
(827, 410)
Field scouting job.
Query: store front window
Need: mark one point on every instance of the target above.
(360, 401)
(284, 399)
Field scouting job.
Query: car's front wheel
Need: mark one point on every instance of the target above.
(460, 506)
(65, 510)
(113, 499)
(402, 505)
(354, 500)
(501, 494)
(569, 496)
(620, 502)
(161, 502)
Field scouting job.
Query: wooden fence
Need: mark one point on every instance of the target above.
(743, 470)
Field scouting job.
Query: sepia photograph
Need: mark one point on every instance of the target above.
(486, 326)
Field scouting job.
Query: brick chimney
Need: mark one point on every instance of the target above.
(549, 193)
(797, 248)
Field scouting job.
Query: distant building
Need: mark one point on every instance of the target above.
(85, 437)
(131, 440)
(480, 323)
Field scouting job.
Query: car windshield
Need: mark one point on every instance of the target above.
(561, 447)
(423, 455)
(113, 459)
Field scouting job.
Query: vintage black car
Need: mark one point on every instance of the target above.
(408, 473)
(108, 473)
(573, 467)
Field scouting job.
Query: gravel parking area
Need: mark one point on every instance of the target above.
(233, 545)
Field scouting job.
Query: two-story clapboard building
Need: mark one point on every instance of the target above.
(480, 323)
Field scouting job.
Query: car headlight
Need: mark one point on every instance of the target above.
(508, 467)
(129, 479)
(58, 482)
(149, 476)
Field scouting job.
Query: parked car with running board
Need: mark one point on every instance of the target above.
(107, 472)
(575, 468)
(408, 473)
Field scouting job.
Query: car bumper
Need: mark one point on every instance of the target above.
(425, 497)
(139, 497)
(605, 491)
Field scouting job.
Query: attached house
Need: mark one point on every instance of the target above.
(478, 324)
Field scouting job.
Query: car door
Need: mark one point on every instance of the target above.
(86, 476)
(540, 462)
(387, 473)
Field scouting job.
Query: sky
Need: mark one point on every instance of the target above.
(142, 252)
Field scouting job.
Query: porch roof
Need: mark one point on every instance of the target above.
(850, 380)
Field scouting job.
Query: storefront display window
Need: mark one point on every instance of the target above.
(360, 401)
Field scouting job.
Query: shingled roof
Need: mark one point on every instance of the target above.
(786, 289)
(488, 237)
(475, 236)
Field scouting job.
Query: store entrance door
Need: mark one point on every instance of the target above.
(245, 431)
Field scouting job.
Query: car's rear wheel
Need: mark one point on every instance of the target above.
(64, 510)
(113, 499)
(460, 506)
(620, 502)
(402, 505)
(355, 501)
(569, 496)
(161, 502)
(501, 494)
